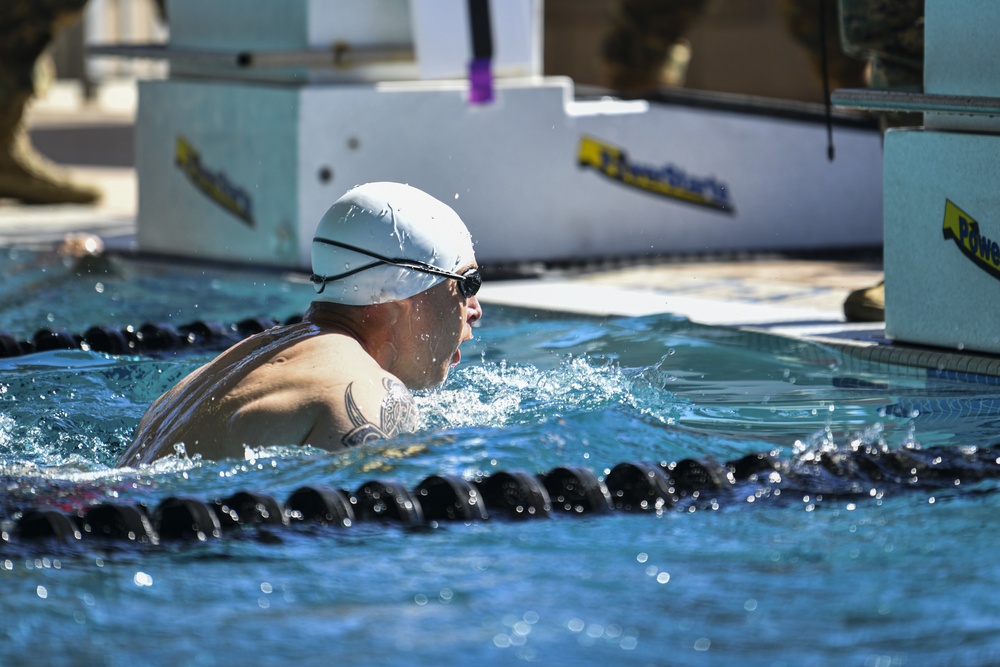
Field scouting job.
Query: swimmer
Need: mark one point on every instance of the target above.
(396, 281)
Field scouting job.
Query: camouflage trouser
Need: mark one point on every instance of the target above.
(890, 35)
(802, 20)
(643, 32)
(26, 28)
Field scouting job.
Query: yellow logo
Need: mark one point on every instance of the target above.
(960, 227)
(669, 180)
(215, 185)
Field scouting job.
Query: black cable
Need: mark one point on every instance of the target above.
(825, 66)
(482, 32)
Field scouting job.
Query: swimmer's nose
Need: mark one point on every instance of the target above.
(475, 310)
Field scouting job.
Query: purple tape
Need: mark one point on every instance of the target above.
(480, 81)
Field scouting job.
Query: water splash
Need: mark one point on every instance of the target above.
(499, 394)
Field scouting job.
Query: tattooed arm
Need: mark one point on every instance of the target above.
(398, 414)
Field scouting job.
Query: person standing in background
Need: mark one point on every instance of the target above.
(644, 35)
(875, 43)
(27, 27)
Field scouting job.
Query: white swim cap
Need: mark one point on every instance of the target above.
(367, 232)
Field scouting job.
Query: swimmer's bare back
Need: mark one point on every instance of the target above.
(293, 385)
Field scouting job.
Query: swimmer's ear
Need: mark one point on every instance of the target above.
(398, 311)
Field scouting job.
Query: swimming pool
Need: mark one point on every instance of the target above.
(901, 578)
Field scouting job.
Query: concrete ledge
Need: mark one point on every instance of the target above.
(606, 300)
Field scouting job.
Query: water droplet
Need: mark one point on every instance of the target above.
(355, 288)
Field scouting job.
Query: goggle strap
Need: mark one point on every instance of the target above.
(321, 281)
(405, 263)
(398, 261)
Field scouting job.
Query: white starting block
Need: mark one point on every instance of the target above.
(239, 162)
(942, 258)
(942, 201)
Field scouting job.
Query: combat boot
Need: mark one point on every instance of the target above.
(24, 174)
(866, 305)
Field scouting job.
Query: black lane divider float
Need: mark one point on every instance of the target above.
(150, 338)
(629, 487)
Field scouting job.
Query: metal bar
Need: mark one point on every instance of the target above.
(338, 55)
(894, 100)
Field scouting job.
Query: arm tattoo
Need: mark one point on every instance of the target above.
(399, 415)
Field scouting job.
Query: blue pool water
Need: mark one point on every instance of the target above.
(907, 578)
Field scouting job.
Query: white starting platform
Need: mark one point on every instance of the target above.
(942, 203)
(269, 115)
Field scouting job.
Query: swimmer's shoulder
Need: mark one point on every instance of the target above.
(366, 409)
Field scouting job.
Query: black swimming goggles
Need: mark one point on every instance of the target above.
(469, 282)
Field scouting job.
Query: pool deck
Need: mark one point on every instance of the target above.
(795, 297)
